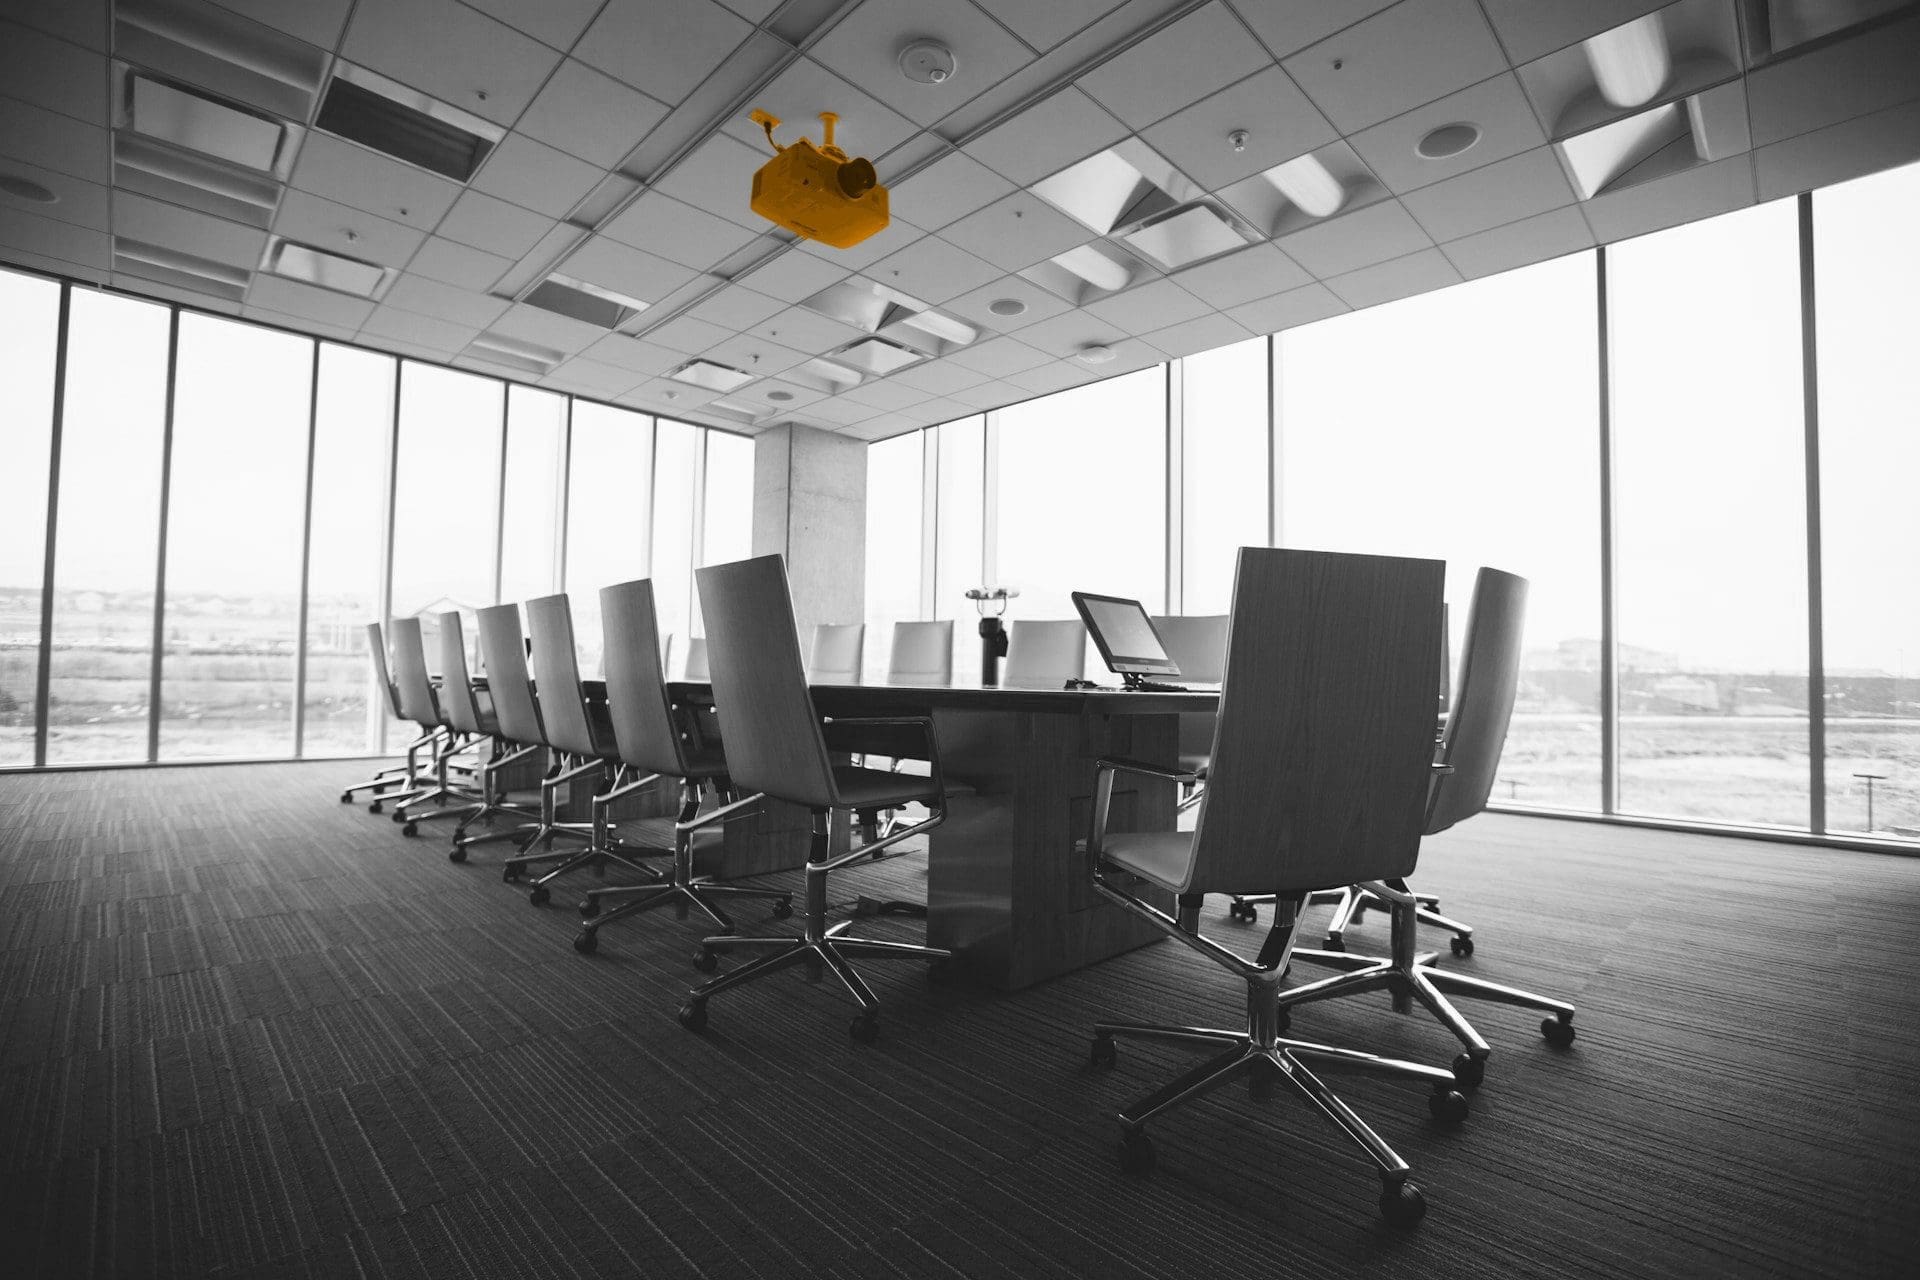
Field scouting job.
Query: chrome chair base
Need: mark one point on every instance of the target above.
(1350, 904)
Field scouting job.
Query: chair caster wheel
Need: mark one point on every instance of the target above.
(539, 895)
(706, 961)
(865, 1029)
(1335, 942)
(346, 797)
(456, 854)
(1402, 1205)
(1469, 1071)
(589, 907)
(1447, 1106)
(1559, 1033)
(375, 807)
(510, 874)
(1136, 1153)
(1238, 910)
(1460, 946)
(586, 942)
(1105, 1053)
(410, 829)
(782, 908)
(693, 1015)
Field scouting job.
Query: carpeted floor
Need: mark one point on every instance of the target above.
(248, 1031)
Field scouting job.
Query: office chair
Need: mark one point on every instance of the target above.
(1045, 655)
(838, 651)
(1321, 760)
(697, 670)
(406, 776)
(1198, 646)
(922, 653)
(650, 741)
(775, 748)
(1469, 755)
(503, 651)
(580, 735)
(466, 715)
(419, 703)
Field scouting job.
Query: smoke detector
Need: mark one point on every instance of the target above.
(927, 62)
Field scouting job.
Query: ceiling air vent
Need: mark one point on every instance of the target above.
(406, 124)
(588, 303)
(514, 353)
(199, 122)
(324, 269)
(714, 377)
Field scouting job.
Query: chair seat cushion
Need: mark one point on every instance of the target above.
(1158, 856)
(878, 789)
(705, 761)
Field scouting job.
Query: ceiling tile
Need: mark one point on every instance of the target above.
(1279, 121)
(443, 301)
(1205, 51)
(80, 202)
(1535, 239)
(452, 52)
(1203, 333)
(1505, 191)
(885, 395)
(1358, 239)
(1066, 334)
(684, 333)
(1385, 281)
(488, 223)
(555, 22)
(318, 22)
(794, 395)
(988, 395)
(634, 353)
(626, 41)
(53, 74)
(325, 225)
(1153, 305)
(793, 276)
(363, 179)
(1047, 137)
(1700, 192)
(1528, 28)
(1057, 376)
(665, 226)
(624, 269)
(84, 24)
(865, 47)
(1286, 310)
(752, 10)
(839, 411)
(999, 357)
(800, 93)
(938, 377)
(663, 395)
(895, 236)
(1257, 272)
(266, 315)
(1045, 25)
(546, 329)
(1498, 107)
(536, 176)
(450, 262)
(951, 187)
(424, 331)
(295, 298)
(804, 329)
(1863, 145)
(591, 115)
(51, 238)
(594, 378)
(1016, 231)
(737, 307)
(200, 234)
(755, 355)
(932, 270)
(1827, 84)
(1285, 26)
(976, 308)
(717, 176)
(1410, 54)
(53, 141)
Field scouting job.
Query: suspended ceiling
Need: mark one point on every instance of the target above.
(624, 158)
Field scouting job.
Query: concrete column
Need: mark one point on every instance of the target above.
(810, 505)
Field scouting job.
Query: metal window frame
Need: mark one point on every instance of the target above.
(1816, 596)
(1174, 407)
(306, 556)
(1609, 630)
(43, 675)
(157, 657)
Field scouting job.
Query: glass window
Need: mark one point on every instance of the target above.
(352, 460)
(1463, 425)
(960, 507)
(1867, 279)
(530, 509)
(608, 521)
(674, 448)
(29, 334)
(1224, 468)
(1083, 497)
(107, 542)
(726, 531)
(1710, 500)
(895, 493)
(236, 504)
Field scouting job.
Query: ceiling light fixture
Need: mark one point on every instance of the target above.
(26, 189)
(1095, 268)
(927, 62)
(1096, 353)
(714, 377)
(1306, 182)
(1448, 140)
(1631, 62)
(325, 269)
(781, 396)
(1007, 307)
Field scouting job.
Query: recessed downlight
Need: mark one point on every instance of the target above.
(1007, 307)
(781, 396)
(1448, 140)
(1096, 353)
(26, 189)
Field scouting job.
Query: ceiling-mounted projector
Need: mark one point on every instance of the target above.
(818, 192)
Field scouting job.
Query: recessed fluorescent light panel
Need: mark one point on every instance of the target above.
(1190, 234)
(1085, 274)
(513, 353)
(1659, 57)
(714, 377)
(406, 124)
(878, 357)
(1658, 142)
(1117, 188)
(1780, 25)
(197, 122)
(585, 301)
(1305, 189)
(324, 269)
(824, 376)
(876, 309)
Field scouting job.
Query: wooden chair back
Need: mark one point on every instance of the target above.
(556, 673)
(922, 653)
(697, 668)
(637, 700)
(1044, 654)
(456, 682)
(503, 650)
(410, 679)
(1483, 704)
(377, 650)
(838, 650)
(1324, 747)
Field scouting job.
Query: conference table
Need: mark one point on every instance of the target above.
(1006, 892)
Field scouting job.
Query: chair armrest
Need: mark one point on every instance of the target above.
(1103, 798)
(923, 723)
(1121, 765)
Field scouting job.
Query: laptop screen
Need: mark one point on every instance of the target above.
(1124, 635)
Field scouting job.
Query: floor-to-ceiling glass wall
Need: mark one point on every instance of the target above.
(1710, 519)
(1867, 279)
(29, 337)
(609, 520)
(896, 494)
(959, 516)
(675, 488)
(534, 493)
(1223, 468)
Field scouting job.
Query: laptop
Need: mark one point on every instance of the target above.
(1130, 646)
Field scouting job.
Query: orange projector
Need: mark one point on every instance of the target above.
(817, 192)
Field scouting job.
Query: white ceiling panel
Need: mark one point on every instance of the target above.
(685, 333)
(864, 48)
(1177, 66)
(938, 377)
(624, 269)
(489, 223)
(664, 395)
(1045, 25)
(1285, 26)
(451, 262)
(948, 189)
(1410, 54)
(443, 336)
(1505, 191)
(443, 301)
(536, 176)
(1358, 239)
(1279, 121)
(1529, 28)
(1866, 144)
(976, 306)
(632, 353)
(1065, 335)
(457, 54)
(1153, 305)
(755, 355)
(1286, 310)
(27, 234)
(318, 22)
(1256, 272)
(53, 74)
(895, 236)
(717, 176)
(1400, 278)
(1016, 231)
(546, 329)
(1535, 239)
(664, 48)
(295, 298)
(77, 201)
(804, 329)
(1868, 72)
(988, 395)
(1701, 192)
(1202, 333)
(363, 179)
(187, 230)
(53, 141)
(666, 227)
(737, 307)
(189, 297)
(797, 96)
(793, 276)
(1058, 376)
(886, 395)
(596, 379)
(591, 115)
(555, 22)
(301, 324)
(933, 271)
(1497, 107)
(84, 24)
(1000, 357)
(326, 225)
(1047, 137)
